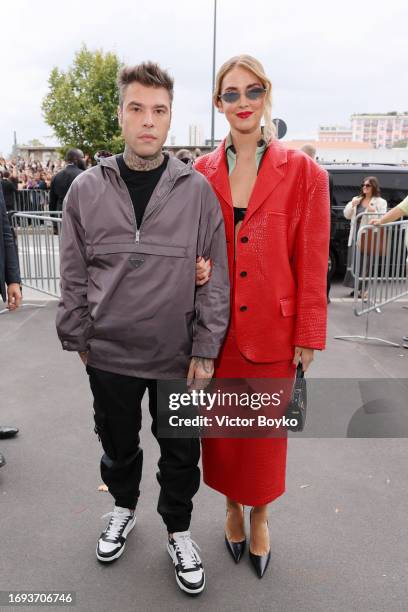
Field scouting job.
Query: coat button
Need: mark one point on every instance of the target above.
(244, 239)
(243, 273)
(243, 308)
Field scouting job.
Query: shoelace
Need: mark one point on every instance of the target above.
(184, 545)
(116, 524)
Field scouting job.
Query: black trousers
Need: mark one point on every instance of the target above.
(118, 419)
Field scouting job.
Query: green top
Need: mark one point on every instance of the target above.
(232, 156)
(404, 206)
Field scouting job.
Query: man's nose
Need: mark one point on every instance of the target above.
(148, 119)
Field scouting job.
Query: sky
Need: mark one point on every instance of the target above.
(326, 60)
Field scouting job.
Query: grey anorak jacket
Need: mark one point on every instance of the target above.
(128, 294)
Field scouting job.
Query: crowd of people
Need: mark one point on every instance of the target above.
(34, 174)
(29, 174)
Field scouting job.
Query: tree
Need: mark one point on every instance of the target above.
(35, 143)
(82, 102)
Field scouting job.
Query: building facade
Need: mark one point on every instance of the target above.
(194, 136)
(40, 153)
(334, 133)
(380, 130)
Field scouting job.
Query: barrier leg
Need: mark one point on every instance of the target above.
(367, 338)
(25, 305)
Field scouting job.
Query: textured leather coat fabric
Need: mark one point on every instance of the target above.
(250, 471)
(128, 294)
(281, 257)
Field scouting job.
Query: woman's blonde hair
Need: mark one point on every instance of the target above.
(253, 65)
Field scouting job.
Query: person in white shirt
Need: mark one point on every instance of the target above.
(369, 200)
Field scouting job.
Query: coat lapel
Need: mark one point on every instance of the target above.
(218, 173)
(271, 172)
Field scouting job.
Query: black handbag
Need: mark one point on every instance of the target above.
(298, 402)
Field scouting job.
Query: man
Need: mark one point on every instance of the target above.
(10, 277)
(132, 229)
(185, 156)
(61, 182)
(9, 269)
(310, 150)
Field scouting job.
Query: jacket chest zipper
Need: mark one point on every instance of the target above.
(159, 201)
(152, 211)
(139, 229)
(137, 232)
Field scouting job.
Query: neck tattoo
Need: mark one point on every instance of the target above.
(144, 164)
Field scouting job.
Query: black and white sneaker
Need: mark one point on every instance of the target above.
(189, 570)
(112, 542)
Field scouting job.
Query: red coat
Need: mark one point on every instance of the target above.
(279, 280)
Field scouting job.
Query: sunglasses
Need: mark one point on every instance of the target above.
(366, 185)
(251, 94)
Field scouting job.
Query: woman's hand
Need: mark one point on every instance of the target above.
(355, 201)
(305, 355)
(84, 357)
(374, 222)
(203, 271)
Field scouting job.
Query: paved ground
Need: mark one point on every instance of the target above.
(338, 544)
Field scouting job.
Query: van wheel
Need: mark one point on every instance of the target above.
(332, 264)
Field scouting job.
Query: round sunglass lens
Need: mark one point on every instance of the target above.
(230, 96)
(253, 94)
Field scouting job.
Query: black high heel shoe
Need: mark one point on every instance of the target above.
(259, 562)
(236, 549)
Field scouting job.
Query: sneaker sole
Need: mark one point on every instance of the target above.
(120, 551)
(181, 585)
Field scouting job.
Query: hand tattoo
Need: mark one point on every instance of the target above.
(205, 363)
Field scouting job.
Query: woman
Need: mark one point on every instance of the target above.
(368, 201)
(275, 204)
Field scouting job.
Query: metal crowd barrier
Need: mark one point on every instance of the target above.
(351, 266)
(31, 200)
(38, 245)
(380, 270)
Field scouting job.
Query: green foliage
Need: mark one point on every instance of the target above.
(35, 143)
(81, 104)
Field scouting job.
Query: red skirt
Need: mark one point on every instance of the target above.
(250, 471)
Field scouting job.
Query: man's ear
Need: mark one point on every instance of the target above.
(120, 108)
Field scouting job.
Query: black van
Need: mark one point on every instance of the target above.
(346, 182)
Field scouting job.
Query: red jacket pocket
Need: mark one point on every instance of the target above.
(288, 306)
